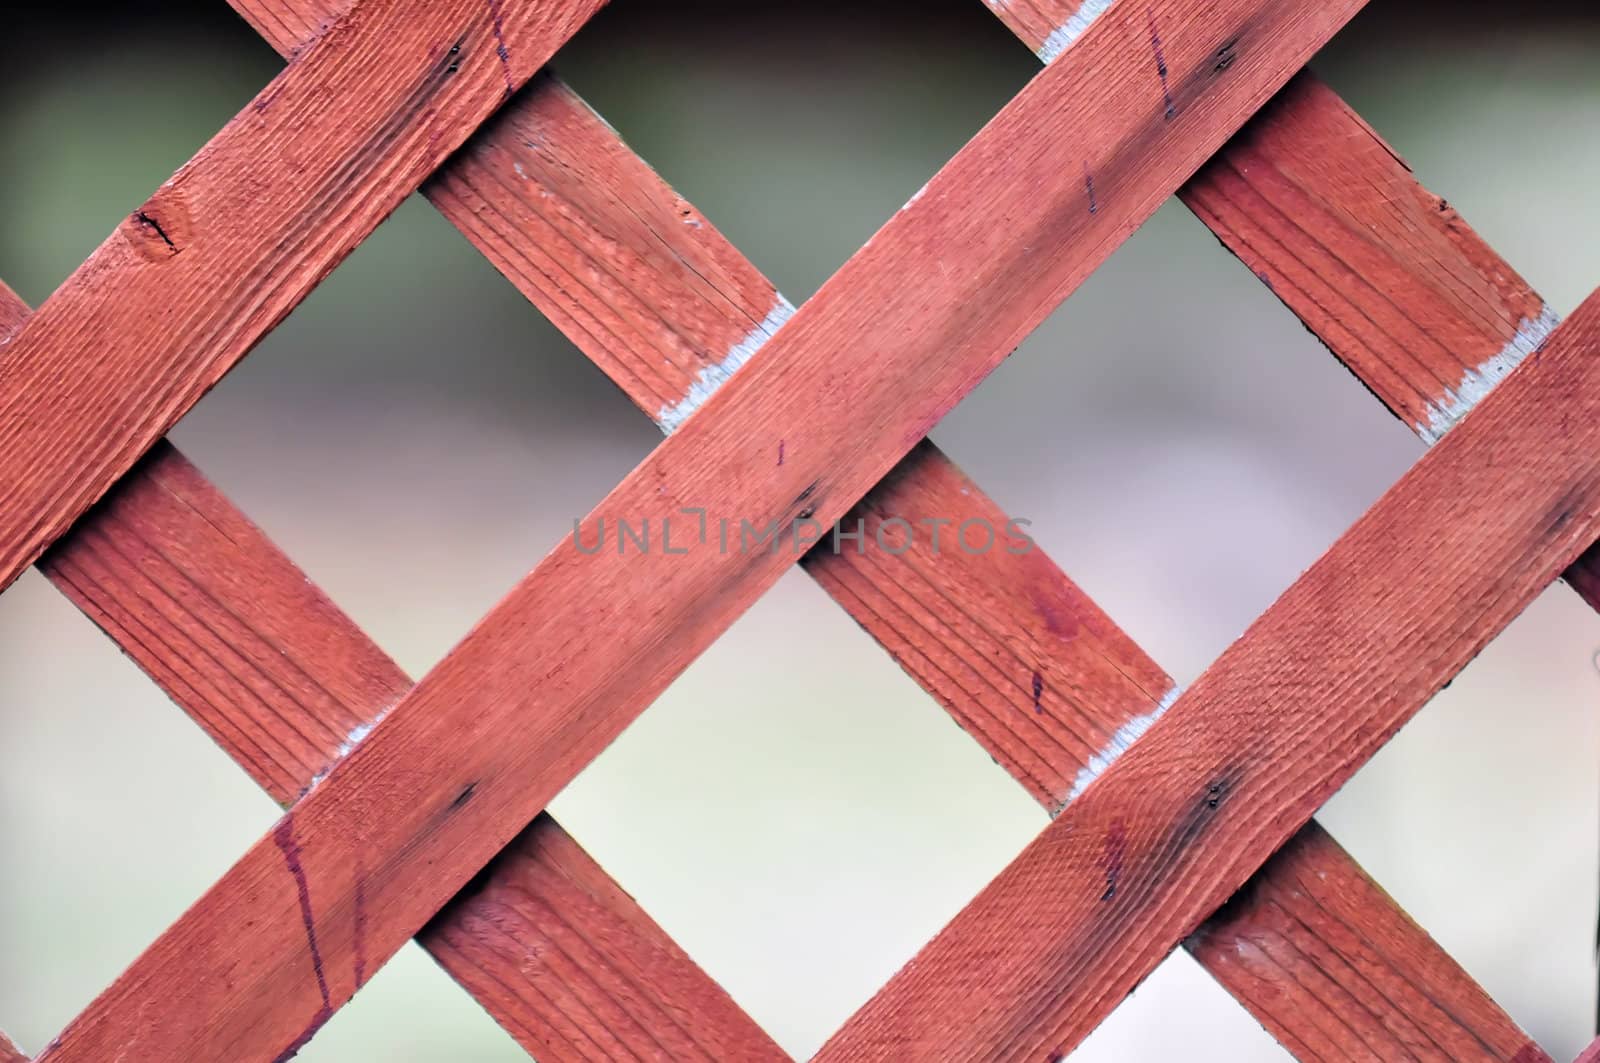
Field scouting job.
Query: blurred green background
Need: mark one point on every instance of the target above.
(794, 810)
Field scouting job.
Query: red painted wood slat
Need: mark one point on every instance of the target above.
(1396, 607)
(228, 246)
(517, 708)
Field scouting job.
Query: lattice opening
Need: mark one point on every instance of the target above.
(795, 795)
(721, 97)
(416, 372)
(1179, 1003)
(1183, 446)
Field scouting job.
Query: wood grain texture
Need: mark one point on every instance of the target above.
(578, 648)
(637, 278)
(224, 249)
(1335, 970)
(9, 1052)
(1590, 1054)
(1403, 600)
(1391, 278)
(256, 654)
(225, 623)
(1022, 659)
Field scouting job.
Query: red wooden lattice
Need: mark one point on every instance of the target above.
(1179, 818)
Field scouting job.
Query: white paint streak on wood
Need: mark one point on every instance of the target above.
(1126, 735)
(1446, 411)
(1070, 30)
(351, 740)
(712, 377)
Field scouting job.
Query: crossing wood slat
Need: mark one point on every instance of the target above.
(547, 167)
(969, 627)
(1334, 969)
(1424, 312)
(227, 246)
(452, 773)
(238, 636)
(1083, 701)
(1395, 608)
(626, 268)
(208, 606)
(594, 238)
(1386, 273)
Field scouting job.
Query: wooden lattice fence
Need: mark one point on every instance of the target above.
(1180, 818)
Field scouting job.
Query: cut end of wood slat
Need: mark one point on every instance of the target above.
(1120, 742)
(671, 417)
(1070, 30)
(1445, 412)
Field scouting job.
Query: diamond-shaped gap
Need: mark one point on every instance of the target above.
(797, 129)
(1500, 115)
(101, 103)
(1183, 447)
(798, 814)
(416, 435)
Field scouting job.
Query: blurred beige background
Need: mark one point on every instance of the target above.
(794, 810)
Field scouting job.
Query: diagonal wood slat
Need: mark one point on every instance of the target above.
(443, 788)
(226, 247)
(228, 626)
(1389, 614)
(1077, 715)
